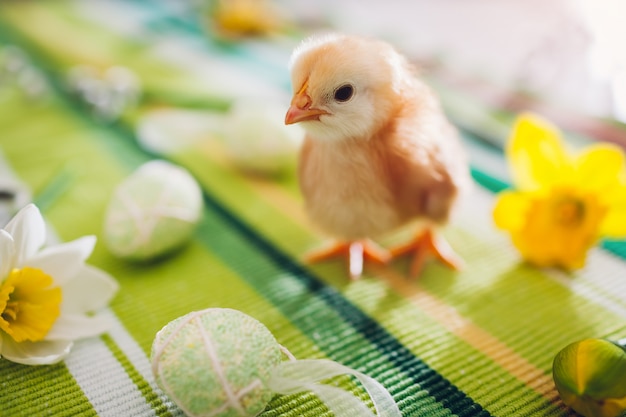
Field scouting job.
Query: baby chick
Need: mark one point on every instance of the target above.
(378, 151)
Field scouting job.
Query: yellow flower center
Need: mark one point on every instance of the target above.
(28, 306)
(560, 227)
(569, 211)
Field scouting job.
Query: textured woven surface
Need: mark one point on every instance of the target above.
(475, 343)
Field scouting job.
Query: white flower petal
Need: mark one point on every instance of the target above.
(62, 262)
(7, 253)
(77, 326)
(36, 353)
(29, 233)
(91, 290)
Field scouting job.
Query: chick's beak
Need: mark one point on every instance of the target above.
(301, 110)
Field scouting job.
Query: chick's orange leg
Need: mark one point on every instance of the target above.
(424, 246)
(356, 252)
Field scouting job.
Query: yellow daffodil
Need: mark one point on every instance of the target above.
(46, 293)
(234, 18)
(563, 202)
(590, 377)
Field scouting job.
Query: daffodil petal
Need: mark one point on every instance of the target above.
(510, 210)
(62, 262)
(7, 252)
(536, 154)
(77, 326)
(599, 166)
(28, 231)
(614, 223)
(36, 353)
(91, 290)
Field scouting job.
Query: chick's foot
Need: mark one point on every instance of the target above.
(424, 246)
(355, 251)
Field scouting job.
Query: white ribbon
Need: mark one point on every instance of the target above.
(303, 375)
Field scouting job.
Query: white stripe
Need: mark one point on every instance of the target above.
(602, 281)
(608, 273)
(139, 360)
(104, 381)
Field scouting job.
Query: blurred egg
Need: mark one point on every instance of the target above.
(257, 140)
(152, 212)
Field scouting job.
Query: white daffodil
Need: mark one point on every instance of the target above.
(47, 293)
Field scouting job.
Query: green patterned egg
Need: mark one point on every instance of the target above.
(216, 362)
(152, 212)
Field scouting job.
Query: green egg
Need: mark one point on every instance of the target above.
(152, 212)
(216, 361)
(590, 376)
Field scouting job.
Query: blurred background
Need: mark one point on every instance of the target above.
(565, 59)
(211, 75)
(570, 53)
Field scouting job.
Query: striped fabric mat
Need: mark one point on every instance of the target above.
(475, 343)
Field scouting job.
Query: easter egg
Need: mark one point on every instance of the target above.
(216, 362)
(257, 140)
(152, 212)
(590, 376)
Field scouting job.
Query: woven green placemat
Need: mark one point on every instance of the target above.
(475, 343)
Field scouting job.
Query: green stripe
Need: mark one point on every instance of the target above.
(26, 391)
(59, 184)
(488, 182)
(616, 247)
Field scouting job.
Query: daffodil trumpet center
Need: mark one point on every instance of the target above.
(29, 306)
(569, 212)
(561, 225)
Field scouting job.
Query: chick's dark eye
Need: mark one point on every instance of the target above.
(344, 93)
